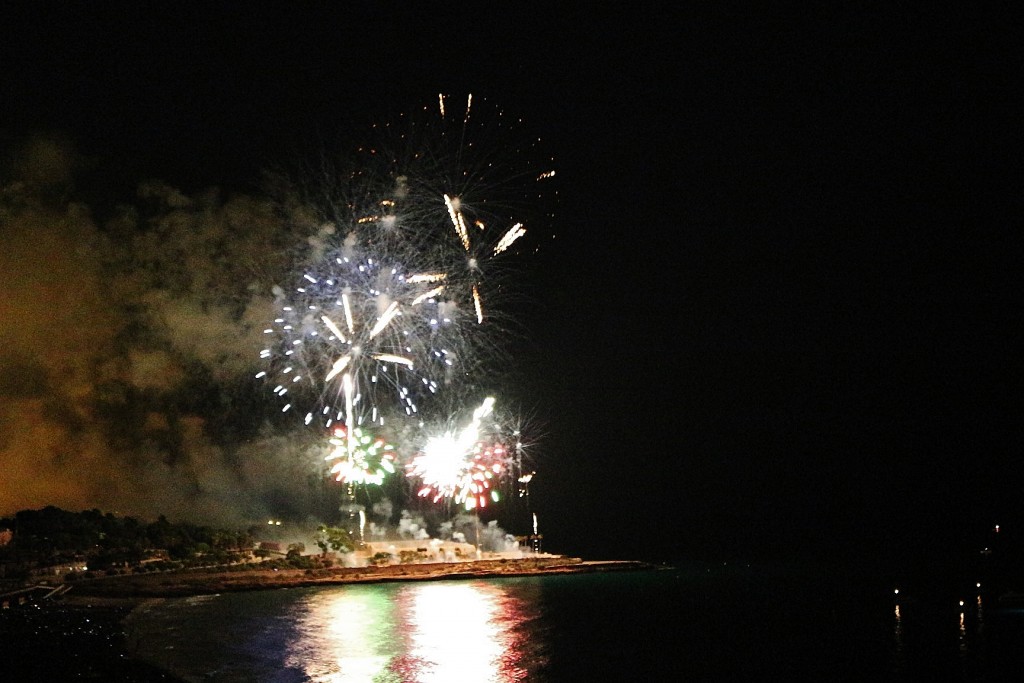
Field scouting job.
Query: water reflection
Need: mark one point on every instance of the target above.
(962, 639)
(897, 638)
(430, 631)
(459, 632)
(344, 636)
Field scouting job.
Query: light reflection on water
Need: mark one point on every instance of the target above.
(342, 636)
(385, 633)
(437, 613)
(443, 631)
(650, 626)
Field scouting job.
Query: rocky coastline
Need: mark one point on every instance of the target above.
(218, 580)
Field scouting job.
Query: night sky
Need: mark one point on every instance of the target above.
(781, 314)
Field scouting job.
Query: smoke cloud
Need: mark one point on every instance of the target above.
(129, 346)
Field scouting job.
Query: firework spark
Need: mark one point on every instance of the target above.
(467, 183)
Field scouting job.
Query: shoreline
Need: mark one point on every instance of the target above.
(86, 628)
(184, 583)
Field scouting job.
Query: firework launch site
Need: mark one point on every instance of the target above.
(53, 556)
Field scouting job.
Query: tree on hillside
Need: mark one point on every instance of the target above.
(334, 538)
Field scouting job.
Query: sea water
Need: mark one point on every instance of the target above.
(695, 623)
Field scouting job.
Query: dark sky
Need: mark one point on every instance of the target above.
(783, 310)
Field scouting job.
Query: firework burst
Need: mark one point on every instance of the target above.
(389, 307)
(463, 466)
(362, 339)
(360, 457)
